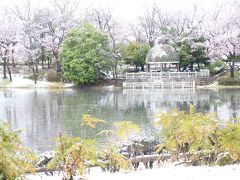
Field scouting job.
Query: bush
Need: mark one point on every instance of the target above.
(15, 159)
(73, 155)
(184, 132)
(199, 138)
(32, 76)
(229, 81)
(216, 67)
(84, 55)
(114, 161)
(53, 76)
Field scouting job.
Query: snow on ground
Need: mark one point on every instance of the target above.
(167, 173)
(21, 82)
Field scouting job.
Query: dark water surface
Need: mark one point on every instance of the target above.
(42, 114)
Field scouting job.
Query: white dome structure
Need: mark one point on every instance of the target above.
(162, 55)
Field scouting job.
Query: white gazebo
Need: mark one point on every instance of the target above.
(162, 57)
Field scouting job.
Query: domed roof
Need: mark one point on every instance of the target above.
(162, 52)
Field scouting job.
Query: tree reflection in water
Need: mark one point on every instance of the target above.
(42, 114)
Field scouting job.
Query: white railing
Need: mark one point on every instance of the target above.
(159, 75)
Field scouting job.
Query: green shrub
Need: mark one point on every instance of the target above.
(15, 159)
(216, 67)
(113, 160)
(73, 155)
(185, 132)
(229, 81)
(199, 138)
(53, 76)
(230, 141)
(85, 54)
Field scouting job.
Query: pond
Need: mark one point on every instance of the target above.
(42, 114)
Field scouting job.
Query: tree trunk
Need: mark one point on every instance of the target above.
(116, 74)
(43, 57)
(142, 68)
(36, 65)
(232, 69)
(113, 71)
(34, 74)
(13, 60)
(48, 62)
(4, 68)
(59, 67)
(191, 67)
(35, 78)
(9, 72)
(136, 68)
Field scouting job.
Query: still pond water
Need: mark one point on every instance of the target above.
(42, 114)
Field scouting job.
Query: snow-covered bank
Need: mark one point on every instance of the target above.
(20, 82)
(168, 172)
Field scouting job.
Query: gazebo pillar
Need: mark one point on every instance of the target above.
(148, 67)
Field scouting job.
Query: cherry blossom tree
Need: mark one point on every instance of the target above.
(30, 39)
(43, 31)
(223, 34)
(58, 19)
(184, 24)
(8, 41)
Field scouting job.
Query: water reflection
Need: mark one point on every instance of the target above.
(42, 114)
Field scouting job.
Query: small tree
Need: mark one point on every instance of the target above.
(135, 54)
(192, 51)
(84, 55)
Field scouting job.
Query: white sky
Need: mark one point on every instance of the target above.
(130, 9)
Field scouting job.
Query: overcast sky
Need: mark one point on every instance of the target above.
(130, 9)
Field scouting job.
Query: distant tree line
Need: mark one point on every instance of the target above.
(43, 38)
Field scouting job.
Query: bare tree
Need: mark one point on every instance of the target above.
(104, 21)
(187, 24)
(151, 25)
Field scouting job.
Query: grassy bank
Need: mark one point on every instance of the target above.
(227, 80)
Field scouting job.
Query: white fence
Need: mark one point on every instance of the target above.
(159, 75)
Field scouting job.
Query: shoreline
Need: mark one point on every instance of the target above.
(21, 82)
(216, 86)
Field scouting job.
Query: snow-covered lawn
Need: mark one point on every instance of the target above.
(21, 82)
(169, 172)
